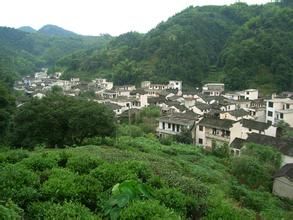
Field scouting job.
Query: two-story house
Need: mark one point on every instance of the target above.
(213, 89)
(211, 131)
(174, 124)
(278, 109)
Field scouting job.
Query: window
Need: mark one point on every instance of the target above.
(281, 115)
(247, 93)
(169, 125)
(200, 141)
(214, 131)
(200, 128)
(163, 125)
(271, 104)
(177, 126)
(287, 106)
(270, 114)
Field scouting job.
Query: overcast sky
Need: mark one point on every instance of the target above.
(93, 17)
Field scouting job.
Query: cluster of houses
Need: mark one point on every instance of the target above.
(211, 115)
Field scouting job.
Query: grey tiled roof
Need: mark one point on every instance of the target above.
(217, 123)
(256, 125)
(238, 143)
(286, 171)
(238, 113)
(284, 145)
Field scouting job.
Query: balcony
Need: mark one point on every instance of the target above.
(167, 131)
(219, 137)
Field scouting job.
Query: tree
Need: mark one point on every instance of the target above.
(7, 107)
(57, 120)
(184, 137)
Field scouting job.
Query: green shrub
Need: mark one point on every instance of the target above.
(251, 172)
(110, 174)
(225, 210)
(195, 191)
(16, 156)
(148, 209)
(93, 141)
(172, 198)
(129, 130)
(41, 162)
(166, 140)
(256, 200)
(19, 184)
(109, 141)
(10, 211)
(67, 210)
(123, 194)
(83, 164)
(63, 158)
(60, 186)
(63, 185)
(89, 192)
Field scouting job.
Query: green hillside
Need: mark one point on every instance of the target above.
(53, 30)
(139, 178)
(243, 46)
(22, 53)
(260, 53)
(211, 43)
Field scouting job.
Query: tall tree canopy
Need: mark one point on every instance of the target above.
(58, 120)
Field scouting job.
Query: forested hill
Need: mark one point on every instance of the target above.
(243, 46)
(22, 53)
(53, 30)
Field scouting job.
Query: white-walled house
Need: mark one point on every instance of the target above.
(213, 130)
(173, 124)
(200, 108)
(242, 128)
(283, 182)
(175, 84)
(279, 109)
(235, 115)
(248, 94)
(213, 89)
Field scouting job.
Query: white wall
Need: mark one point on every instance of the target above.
(283, 187)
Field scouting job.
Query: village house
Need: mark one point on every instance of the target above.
(213, 89)
(108, 94)
(174, 124)
(283, 182)
(279, 109)
(211, 131)
(248, 94)
(155, 89)
(257, 110)
(200, 108)
(103, 84)
(242, 128)
(242, 104)
(284, 145)
(235, 115)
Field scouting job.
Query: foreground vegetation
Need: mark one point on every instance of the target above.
(139, 178)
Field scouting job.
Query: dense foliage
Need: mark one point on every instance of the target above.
(243, 46)
(259, 54)
(139, 178)
(7, 107)
(58, 120)
(22, 53)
